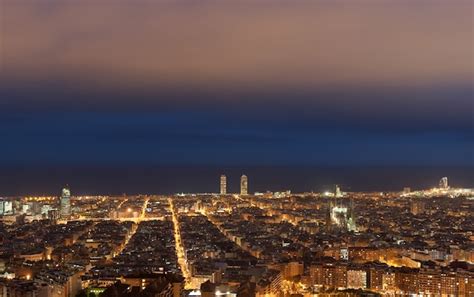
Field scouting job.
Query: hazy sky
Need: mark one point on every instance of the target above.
(236, 82)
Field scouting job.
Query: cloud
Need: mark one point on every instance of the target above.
(128, 138)
(246, 81)
(238, 44)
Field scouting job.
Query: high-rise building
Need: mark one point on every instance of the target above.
(356, 279)
(244, 185)
(223, 185)
(351, 219)
(443, 183)
(65, 202)
(6, 207)
(53, 215)
(337, 192)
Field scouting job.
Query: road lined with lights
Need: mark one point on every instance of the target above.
(134, 226)
(179, 246)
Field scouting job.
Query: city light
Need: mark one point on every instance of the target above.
(236, 148)
(205, 238)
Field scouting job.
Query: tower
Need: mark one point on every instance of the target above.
(351, 221)
(244, 185)
(328, 214)
(337, 192)
(443, 183)
(223, 185)
(65, 202)
(340, 215)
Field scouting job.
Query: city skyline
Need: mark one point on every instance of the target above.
(168, 181)
(312, 244)
(171, 180)
(238, 148)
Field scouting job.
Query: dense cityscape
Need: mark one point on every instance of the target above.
(237, 148)
(336, 243)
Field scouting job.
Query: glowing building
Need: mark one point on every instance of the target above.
(6, 207)
(417, 207)
(65, 202)
(443, 183)
(337, 192)
(223, 185)
(244, 185)
(340, 213)
(356, 279)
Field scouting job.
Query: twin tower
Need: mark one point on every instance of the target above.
(244, 185)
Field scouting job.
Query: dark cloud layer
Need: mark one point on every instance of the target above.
(209, 138)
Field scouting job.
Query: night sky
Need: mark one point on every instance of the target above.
(235, 83)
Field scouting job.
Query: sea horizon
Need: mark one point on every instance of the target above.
(171, 179)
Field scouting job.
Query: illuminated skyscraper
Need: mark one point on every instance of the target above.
(223, 185)
(443, 183)
(6, 207)
(337, 192)
(65, 202)
(351, 220)
(244, 185)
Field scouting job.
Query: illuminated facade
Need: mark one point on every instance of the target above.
(356, 279)
(65, 202)
(6, 207)
(443, 183)
(340, 213)
(417, 207)
(244, 185)
(223, 185)
(337, 192)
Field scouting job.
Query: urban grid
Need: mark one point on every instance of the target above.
(407, 243)
(236, 148)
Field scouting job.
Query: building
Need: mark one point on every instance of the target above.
(356, 279)
(341, 215)
(337, 192)
(443, 183)
(270, 284)
(329, 275)
(223, 185)
(244, 185)
(53, 215)
(65, 202)
(293, 269)
(6, 207)
(19, 288)
(417, 207)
